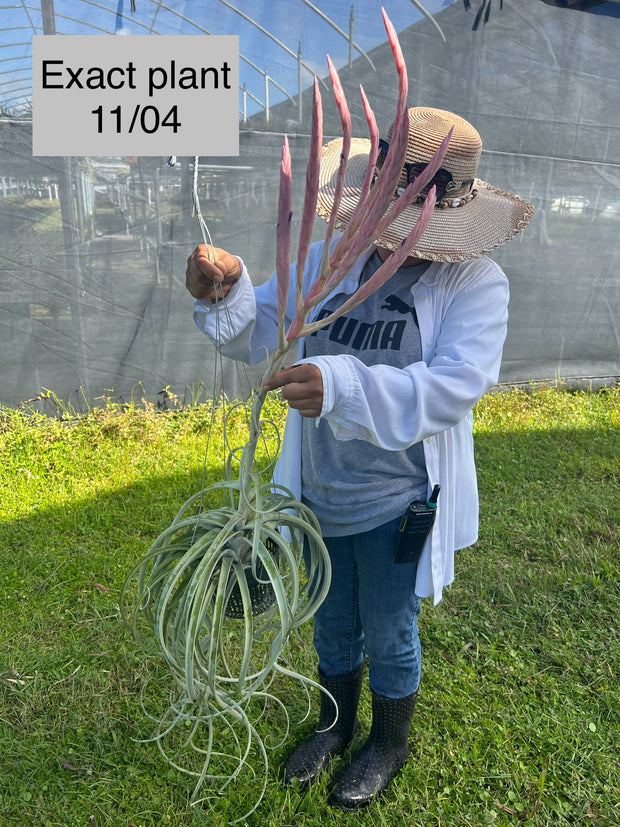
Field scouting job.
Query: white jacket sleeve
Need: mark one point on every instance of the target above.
(244, 325)
(463, 328)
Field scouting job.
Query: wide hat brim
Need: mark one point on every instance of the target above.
(454, 234)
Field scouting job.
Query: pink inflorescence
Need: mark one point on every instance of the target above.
(375, 210)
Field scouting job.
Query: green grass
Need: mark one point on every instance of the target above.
(517, 721)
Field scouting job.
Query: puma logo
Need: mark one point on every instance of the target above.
(396, 305)
(358, 335)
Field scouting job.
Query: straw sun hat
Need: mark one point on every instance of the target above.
(469, 221)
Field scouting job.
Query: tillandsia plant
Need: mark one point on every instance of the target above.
(220, 590)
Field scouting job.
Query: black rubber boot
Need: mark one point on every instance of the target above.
(329, 739)
(381, 757)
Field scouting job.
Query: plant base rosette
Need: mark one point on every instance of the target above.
(217, 596)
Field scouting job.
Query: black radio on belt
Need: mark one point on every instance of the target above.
(415, 526)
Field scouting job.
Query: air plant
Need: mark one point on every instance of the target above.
(220, 590)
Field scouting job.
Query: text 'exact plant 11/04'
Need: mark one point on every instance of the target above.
(221, 589)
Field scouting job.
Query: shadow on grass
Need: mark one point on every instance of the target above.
(72, 679)
(517, 706)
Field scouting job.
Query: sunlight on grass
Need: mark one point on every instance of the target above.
(518, 714)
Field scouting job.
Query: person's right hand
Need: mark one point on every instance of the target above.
(211, 271)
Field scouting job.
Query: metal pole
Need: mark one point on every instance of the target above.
(340, 31)
(351, 28)
(266, 96)
(80, 204)
(299, 65)
(48, 17)
(158, 219)
(65, 170)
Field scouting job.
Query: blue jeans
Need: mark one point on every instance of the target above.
(371, 609)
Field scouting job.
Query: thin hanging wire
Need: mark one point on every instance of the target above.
(218, 372)
(206, 235)
(218, 368)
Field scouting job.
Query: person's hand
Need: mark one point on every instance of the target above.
(211, 271)
(302, 388)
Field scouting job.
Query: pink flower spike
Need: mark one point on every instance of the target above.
(341, 102)
(401, 121)
(311, 194)
(283, 232)
(361, 210)
(397, 52)
(373, 131)
(295, 329)
(345, 120)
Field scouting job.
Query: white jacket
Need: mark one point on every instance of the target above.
(462, 312)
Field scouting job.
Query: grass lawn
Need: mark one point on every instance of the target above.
(517, 720)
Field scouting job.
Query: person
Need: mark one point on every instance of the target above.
(380, 411)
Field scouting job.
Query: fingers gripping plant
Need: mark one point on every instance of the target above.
(219, 591)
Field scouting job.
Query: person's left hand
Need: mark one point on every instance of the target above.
(302, 388)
